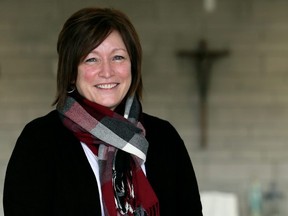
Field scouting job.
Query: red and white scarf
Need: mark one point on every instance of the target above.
(121, 147)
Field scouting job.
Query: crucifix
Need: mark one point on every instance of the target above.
(203, 61)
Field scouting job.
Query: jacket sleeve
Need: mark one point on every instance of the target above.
(170, 171)
(26, 180)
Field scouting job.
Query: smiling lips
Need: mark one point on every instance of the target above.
(107, 86)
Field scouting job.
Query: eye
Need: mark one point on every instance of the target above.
(91, 60)
(118, 58)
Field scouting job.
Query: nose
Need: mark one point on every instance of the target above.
(106, 69)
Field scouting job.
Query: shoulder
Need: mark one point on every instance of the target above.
(162, 136)
(35, 145)
(152, 122)
(164, 140)
(51, 118)
(44, 129)
(156, 127)
(40, 139)
(47, 124)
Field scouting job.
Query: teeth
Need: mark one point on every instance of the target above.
(106, 86)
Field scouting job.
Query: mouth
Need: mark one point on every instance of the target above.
(107, 86)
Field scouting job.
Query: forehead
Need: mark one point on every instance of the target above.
(113, 39)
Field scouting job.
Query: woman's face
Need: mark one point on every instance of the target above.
(104, 77)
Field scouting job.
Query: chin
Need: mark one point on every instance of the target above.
(109, 105)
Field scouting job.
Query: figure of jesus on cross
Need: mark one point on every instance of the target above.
(203, 61)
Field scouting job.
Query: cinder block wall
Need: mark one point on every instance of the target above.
(248, 115)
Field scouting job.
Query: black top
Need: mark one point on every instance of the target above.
(49, 174)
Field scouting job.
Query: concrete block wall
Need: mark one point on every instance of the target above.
(248, 115)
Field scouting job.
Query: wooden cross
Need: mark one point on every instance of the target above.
(203, 61)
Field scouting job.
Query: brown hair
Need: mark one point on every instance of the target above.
(84, 31)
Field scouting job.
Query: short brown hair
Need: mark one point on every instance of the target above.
(84, 31)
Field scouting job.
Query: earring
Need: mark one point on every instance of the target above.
(71, 90)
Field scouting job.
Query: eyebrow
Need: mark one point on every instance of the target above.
(123, 49)
(114, 50)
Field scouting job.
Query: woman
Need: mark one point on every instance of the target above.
(97, 153)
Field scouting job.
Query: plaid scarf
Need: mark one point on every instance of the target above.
(121, 147)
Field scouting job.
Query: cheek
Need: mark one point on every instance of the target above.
(84, 77)
(87, 77)
(126, 73)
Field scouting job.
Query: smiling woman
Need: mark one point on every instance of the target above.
(97, 153)
(104, 76)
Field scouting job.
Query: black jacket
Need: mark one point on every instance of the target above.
(49, 174)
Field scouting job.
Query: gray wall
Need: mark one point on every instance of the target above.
(248, 99)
